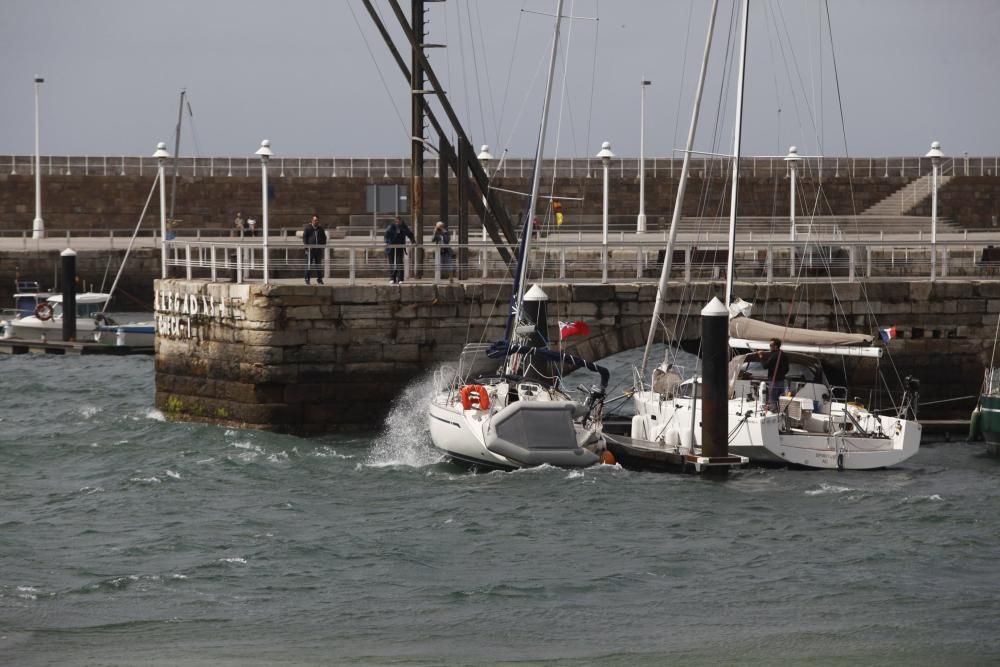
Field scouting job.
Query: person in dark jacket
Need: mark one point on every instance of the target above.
(314, 238)
(442, 237)
(776, 364)
(395, 251)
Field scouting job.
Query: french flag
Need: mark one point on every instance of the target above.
(887, 334)
(578, 328)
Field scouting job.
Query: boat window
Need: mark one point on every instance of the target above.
(797, 371)
(684, 390)
(88, 309)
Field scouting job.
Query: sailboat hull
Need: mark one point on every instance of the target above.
(885, 442)
(523, 434)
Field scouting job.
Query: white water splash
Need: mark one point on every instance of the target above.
(87, 490)
(173, 475)
(88, 411)
(237, 559)
(154, 414)
(27, 592)
(405, 439)
(825, 489)
(145, 480)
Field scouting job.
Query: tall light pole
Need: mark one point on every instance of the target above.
(640, 223)
(265, 153)
(793, 160)
(484, 158)
(935, 154)
(605, 155)
(38, 227)
(161, 156)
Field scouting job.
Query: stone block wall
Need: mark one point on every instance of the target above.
(309, 359)
(89, 202)
(95, 268)
(971, 201)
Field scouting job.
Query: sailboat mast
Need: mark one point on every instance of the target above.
(737, 137)
(661, 289)
(177, 153)
(526, 230)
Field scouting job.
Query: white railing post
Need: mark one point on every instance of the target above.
(239, 264)
(326, 262)
(850, 264)
(437, 264)
(352, 266)
(187, 259)
(868, 261)
(687, 264)
(562, 263)
(211, 255)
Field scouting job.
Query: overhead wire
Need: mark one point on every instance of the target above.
(381, 77)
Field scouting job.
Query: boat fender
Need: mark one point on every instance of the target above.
(976, 425)
(43, 311)
(477, 393)
(840, 462)
(607, 458)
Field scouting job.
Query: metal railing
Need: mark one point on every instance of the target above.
(399, 168)
(618, 261)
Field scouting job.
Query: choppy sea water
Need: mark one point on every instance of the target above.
(127, 539)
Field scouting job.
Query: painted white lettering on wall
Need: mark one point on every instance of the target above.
(183, 315)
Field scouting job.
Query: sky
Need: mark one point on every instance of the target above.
(834, 77)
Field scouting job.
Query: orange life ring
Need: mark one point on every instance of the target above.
(477, 393)
(44, 311)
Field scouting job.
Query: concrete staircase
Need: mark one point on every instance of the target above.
(905, 199)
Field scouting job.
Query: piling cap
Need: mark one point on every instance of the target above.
(935, 151)
(536, 293)
(715, 309)
(68, 252)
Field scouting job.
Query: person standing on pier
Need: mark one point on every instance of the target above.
(443, 238)
(238, 224)
(776, 364)
(395, 248)
(314, 238)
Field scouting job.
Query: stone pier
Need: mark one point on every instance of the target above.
(311, 359)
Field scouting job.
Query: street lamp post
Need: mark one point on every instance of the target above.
(793, 160)
(161, 156)
(484, 158)
(265, 153)
(38, 226)
(935, 154)
(605, 155)
(640, 224)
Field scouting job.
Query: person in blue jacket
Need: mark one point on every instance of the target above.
(395, 251)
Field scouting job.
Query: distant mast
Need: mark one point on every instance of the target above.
(177, 153)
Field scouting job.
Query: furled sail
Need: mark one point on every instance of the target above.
(750, 329)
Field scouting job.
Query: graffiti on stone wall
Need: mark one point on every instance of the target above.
(180, 315)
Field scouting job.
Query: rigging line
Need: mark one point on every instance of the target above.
(489, 80)
(510, 69)
(475, 65)
(774, 75)
(463, 63)
(385, 85)
(194, 130)
(680, 91)
(798, 73)
(524, 101)
(131, 241)
(593, 70)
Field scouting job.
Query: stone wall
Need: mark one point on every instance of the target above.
(79, 202)
(95, 268)
(973, 202)
(312, 359)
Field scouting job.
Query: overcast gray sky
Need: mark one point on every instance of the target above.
(299, 73)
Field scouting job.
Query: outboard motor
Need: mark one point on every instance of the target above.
(911, 398)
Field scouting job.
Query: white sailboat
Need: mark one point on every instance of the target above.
(815, 425)
(504, 406)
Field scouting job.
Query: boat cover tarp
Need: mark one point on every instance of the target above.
(751, 329)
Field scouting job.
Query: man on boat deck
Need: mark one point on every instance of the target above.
(395, 252)
(776, 364)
